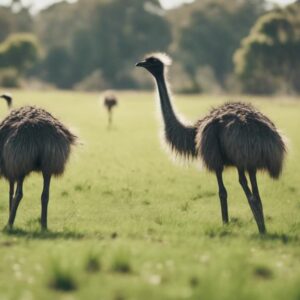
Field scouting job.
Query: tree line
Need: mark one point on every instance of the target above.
(232, 45)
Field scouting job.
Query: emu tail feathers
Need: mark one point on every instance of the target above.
(276, 154)
(70, 137)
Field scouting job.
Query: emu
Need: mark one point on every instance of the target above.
(234, 134)
(31, 139)
(110, 101)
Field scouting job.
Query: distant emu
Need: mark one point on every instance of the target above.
(234, 134)
(31, 139)
(110, 101)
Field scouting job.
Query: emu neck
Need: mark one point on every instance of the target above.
(180, 137)
(165, 101)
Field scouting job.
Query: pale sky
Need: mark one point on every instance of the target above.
(39, 4)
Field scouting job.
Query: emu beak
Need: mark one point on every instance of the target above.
(141, 64)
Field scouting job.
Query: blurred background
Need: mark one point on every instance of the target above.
(232, 46)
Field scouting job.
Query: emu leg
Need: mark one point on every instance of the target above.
(15, 203)
(45, 200)
(255, 192)
(11, 194)
(109, 118)
(253, 202)
(223, 197)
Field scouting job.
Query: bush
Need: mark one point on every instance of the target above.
(9, 78)
(268, 60)
(61, 277)
(92, 263)
(121, 263)
(19, 51)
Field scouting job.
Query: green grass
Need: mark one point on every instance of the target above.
(121, 262)
(153, 227)
(93, 263)
(61, 277)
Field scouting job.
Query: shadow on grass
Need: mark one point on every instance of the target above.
(220, 232)
(280, 237)
(230, 230)
(44, 234)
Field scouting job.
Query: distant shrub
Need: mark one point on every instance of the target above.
(263, 272)
(121, 263)
(20, 51)
(61, 277)
(194, 281)
(9, 78)
(92, 264)
(268, 60)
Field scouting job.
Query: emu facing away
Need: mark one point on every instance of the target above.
(31, 139)
(110, 101)
(234, 134)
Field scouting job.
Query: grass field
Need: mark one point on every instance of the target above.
(127, 223)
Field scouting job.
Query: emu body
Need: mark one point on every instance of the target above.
(31, 139)
(110, 101)
(234, 134)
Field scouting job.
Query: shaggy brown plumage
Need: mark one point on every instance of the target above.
(234, 134)
(110, 103)
(31, 139)
(237, 134)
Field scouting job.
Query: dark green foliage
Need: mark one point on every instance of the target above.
(109, 36)
(56, 67)
(121, 263)
(136, 32)
(213, 34)
(269, 58)
(9, 78)
(11, 22)
(6, 24)
(62, 278)
(93, 264)
(263, 272)
(93, 44)
(19, 51)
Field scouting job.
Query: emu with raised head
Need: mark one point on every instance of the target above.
(234, 134)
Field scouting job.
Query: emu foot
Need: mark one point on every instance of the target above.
(44, 227)
(8, 228)
(262, 230)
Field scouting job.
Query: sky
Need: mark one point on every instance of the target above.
(39, 4)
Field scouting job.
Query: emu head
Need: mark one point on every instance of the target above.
(8, 99)
(155, 63)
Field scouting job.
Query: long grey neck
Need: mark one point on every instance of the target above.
(180, 137)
